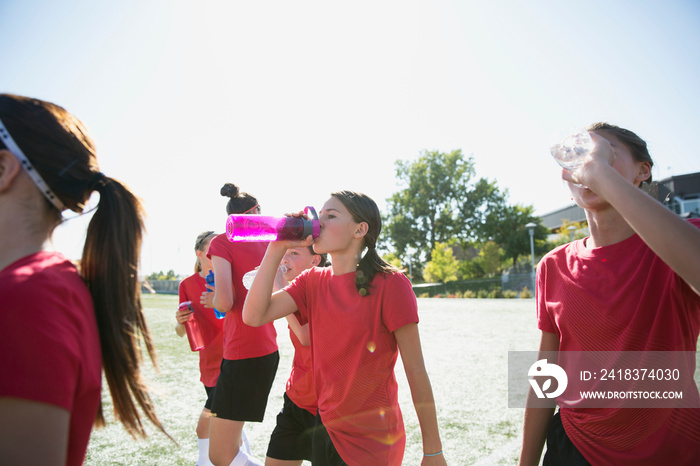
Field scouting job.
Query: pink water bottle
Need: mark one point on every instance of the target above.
(264, 228)
(192, 328)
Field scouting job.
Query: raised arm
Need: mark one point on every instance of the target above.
(408, 340)
(673, 239)
(261, 306)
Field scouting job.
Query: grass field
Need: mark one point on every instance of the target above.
(465, 344)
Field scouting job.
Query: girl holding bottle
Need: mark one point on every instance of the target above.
(361, 313)
(633, 285)
(250, 354)
(211, 331)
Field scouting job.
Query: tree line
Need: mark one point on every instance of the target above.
(445, 224)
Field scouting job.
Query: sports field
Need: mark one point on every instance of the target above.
(465, 343)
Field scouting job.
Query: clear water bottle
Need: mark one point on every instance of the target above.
(250, 276)
(570, 152)
(194, 335)
(210, 281)
(265, 228)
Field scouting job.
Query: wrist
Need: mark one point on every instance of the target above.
(433, 454)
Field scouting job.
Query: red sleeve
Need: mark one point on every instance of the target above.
(182, 293)
(399, 304)
(39, 344)
(219, 247)
(545, 321)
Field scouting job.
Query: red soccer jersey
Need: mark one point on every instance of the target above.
(240, 340)
(49, 344)
(300, 385)
(622, 297)
(212, 329)
(354, 352)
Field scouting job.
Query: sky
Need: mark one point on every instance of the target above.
(293, 100)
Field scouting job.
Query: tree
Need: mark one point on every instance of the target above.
(505, 225)
(490, 258)
(439, 202)
(580, 230)
(442, 268)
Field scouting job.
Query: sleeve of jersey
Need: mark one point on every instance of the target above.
(544, 319)
(39, 354)
(218, 248)
(182, 292)
(297, 290)
(399, 305)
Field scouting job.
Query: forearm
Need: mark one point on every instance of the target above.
(258, 300)
(424, 403)
(534, 434)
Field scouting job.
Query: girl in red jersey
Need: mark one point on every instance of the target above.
(250, 354)
(361, 312)
(60, 325)
(191, 289)
(290, 442)
(631, 286)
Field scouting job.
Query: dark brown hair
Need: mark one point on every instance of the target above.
(239, 202)
(60, 149)
(364, 209)
(637, 145)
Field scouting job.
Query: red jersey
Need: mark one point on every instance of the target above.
(49, 344)
(212, 329)
(354, 351)
(622, 297)
(240, 340)
(300, 385)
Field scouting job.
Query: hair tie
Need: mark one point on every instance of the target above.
(251, 209)
(96, 180)
(43, 186)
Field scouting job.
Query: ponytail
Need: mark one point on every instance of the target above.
(57, 145)
(109, 268)
(364, 209)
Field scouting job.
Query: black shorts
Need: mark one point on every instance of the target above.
(323, 452)
(243, 388)
(210, 397)
(560, 449)
(291, 438)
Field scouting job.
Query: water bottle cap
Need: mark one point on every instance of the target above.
(313, 226)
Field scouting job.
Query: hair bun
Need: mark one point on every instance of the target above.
(230, 190)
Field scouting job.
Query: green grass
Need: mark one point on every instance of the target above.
(465, 344)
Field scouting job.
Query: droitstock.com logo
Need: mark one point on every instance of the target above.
(543, 371)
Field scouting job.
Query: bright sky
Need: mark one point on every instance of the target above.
(292, 100)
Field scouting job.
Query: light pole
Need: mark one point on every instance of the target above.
(531, 229)
(571, 229)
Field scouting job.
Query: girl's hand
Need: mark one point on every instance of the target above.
(601, 156)
(207, 298)
(290, 244)
(182, 316)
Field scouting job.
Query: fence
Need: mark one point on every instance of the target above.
(491, 287)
